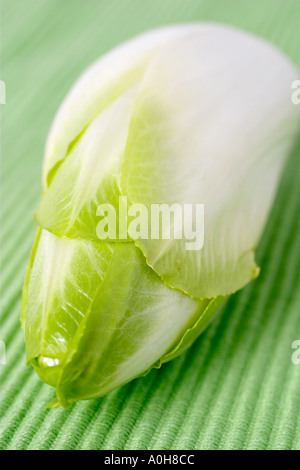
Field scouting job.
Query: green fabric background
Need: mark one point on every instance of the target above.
(237, 387)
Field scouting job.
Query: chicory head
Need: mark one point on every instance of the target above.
(191, 114)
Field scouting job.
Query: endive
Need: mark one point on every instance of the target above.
(191, 114)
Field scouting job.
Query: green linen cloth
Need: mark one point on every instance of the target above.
(237, 387)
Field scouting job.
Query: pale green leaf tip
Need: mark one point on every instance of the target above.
(53, 404)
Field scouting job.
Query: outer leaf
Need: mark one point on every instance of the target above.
(102, 83)
(89, 175)
(62, 279)
(213, 123)
(96, 316)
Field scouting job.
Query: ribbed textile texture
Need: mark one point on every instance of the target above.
(237, 387)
